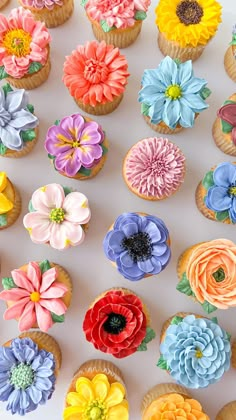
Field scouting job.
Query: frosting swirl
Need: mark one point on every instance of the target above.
(41, 4)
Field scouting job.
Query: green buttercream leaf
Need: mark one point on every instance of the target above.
(176, 320)
(145, 109)
(208, 307)
(30, 207)
(51, 156)
(177, 61)
(28, 135)
(228, 101)
(222, 215)
(140, 15)
(34, 67)
(84, 171)
(3, 73)
(3, 149)
(57, 122)
(8, 283)
(162, 363)
(7, 88)
(83, 2)
(105, 26)
(208, 180)
(150, 335)
(142, 347)
(67, 190)
(226, 127)
(215, 320)
(205, 92)
(233, 42)
(30, 108)
(228, 335)
(44, 266)
(104, 149)
(3, 219)
(58, 318)
(184, 286)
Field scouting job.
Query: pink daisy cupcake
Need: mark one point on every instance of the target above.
(96, 75)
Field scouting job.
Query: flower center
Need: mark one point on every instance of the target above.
(57, 215)
(35, 296)
(173, 92)
(17, 42)
(198, 354)
(115, 323)
(21, 376)
(138, 246)
(232, 191)
(219, 275)
(95, 71)
(96, 410)
(189, 12)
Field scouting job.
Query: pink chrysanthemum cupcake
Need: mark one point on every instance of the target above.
(52, 12)
(96, 75)
(24, 46)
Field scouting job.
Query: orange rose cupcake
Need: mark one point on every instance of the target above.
(96, 75)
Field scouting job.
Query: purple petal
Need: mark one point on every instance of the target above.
(115, 241)
(126, 260)
(90, 133)
(218, 199)
(146, 266)
(130, 229)
(153, 232)
(225, 174)
(35, 394)
(72, 164)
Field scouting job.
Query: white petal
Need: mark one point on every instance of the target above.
(49, 197)
(15, 100)
(76, 208)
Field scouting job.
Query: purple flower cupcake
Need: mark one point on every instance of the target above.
(77, 146)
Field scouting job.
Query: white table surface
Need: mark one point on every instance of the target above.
(90, 271)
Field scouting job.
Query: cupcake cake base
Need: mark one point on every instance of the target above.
(31, 81)
(230, 62)
(120, 38)
(54, 17)
(173, 49)
(100, 109)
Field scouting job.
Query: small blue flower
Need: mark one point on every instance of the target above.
(138, 245)
(172, 93)
(222, 195)
(26, 376)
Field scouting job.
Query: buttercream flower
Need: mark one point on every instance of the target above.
(138, 245)
(227, 114)
(26, 376)
(222, 195)
(196, 351)
(172, 94)
(41, 4)
(188, 22)
(5, 204)
(96, 399)
(116, 323)
(57, 218)
(95, 73)
(35, 297)
(75, 143)
(23, 41)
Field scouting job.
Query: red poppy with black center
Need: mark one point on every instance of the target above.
(116, 323)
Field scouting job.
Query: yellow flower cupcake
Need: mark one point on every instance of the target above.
(10, 202)
(185, 27)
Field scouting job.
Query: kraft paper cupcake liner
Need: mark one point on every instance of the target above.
(172, 49)
(55, 17)
(162, 389)
(100, 109)
(223, 140)
(199, 198)
(120, 38)
(3, 3)
(230, 62)
(28, 146)
(162, 127)
(31, 81)
(228, 412)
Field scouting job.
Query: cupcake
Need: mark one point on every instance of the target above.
(171, 96)
(234, 354)
(206, 272)
(96, 75)
(223, 130)
(228, 412)
(77, 146)
(118, 323)
(194, 350)
(230, 55)
(138, 245)
(154, 168)
(3, 3)
(97, 391)
(10, 202)
(18, 132)
(37, 294)
(216, 193)
(186, 26)
(170, 401)
(57, 216)
(52, 12)
(24, 42)
(117, 22)
(29, 366)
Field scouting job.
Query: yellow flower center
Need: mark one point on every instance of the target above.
(57, 215)
(198, 354)
(173, 92)
(96, 410)
(232, 190)
(35, 296)
(17, 42)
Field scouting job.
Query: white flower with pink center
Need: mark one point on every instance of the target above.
(57, 218)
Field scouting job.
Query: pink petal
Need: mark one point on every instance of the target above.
(39, 226)
(21, 280)
(3, 23)
(44, 318)
(65, 235)
(28, 317)
(57, 290)
(14, 294)
(48, 278)
(16, 310)
(57, 306)
(76, 208)
(48, 197)
(34, 275)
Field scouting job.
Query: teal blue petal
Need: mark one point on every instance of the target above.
(185, 72)
(155, 112)
(168, 70)
(151, 77)
(150, 95)
(194, 101)
(171, 113)
(187, 116)
(194, 85)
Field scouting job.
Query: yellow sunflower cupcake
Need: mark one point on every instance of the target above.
(186, 26)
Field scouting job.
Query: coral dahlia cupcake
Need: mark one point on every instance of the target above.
(118, 323)
(29, 366)
(24, 43)
(229, 59)
(97, 391)
(228, 412)
(117, 22)
(223, 130)
(186, 26)
(154, 168)
(37, 294)
(138, 245)
(96, 75)
(10, 202)
(207, 272)
(171, 401)
(216, 193)
(77, 146)
(52, 12)
(190, 350)
(18, 132)
(57, 216)
(171, 96)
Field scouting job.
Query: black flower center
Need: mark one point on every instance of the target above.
(115, 323)
(138, 246)
(189, 12)
(219, 275)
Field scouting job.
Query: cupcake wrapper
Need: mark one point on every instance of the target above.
(13, 214)
(162, 389)
(120, 38)
(31, 81)
(223, 141)
(230, 63)
(100, 109)
(3, 3)
(228, 412)
(162, 127)
(28, 146)
(54, 17)
(199, 197)
(172, 49)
